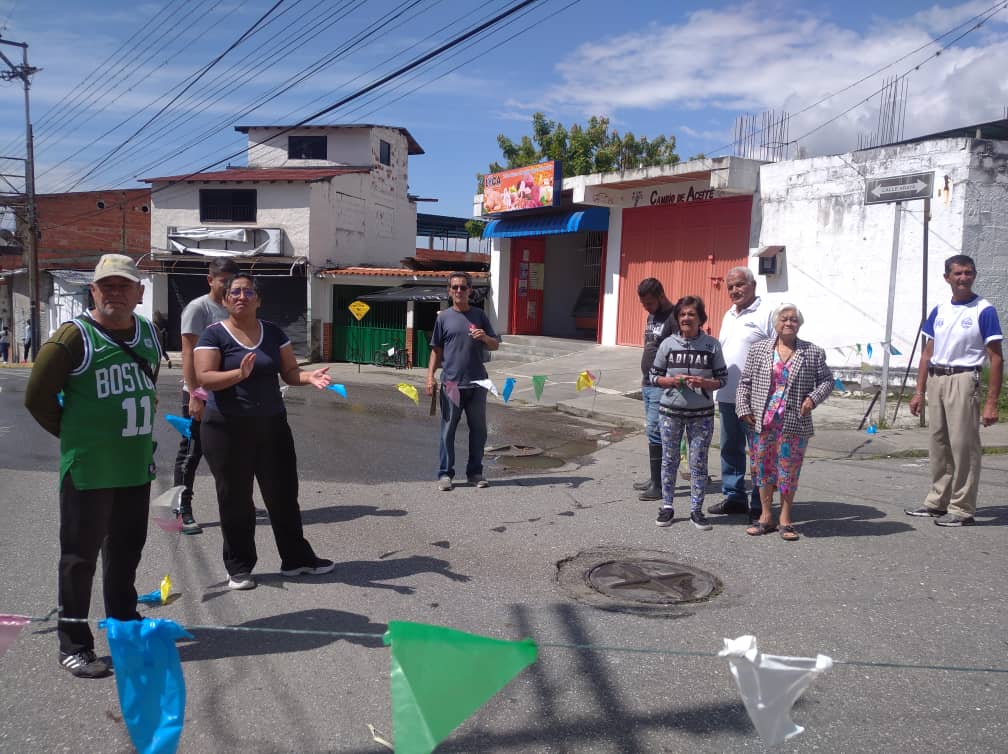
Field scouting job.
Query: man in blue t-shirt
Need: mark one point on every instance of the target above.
(462, 335)
(960, 334)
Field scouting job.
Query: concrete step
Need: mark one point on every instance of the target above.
(528, 348)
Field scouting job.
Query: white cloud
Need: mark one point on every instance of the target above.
(743, 58)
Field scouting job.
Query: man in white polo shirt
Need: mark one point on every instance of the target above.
(961, 334)
(746, 322)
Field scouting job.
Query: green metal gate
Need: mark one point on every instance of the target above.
(356, 342)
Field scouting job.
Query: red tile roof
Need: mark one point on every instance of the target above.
(261, 174)
(394, 272)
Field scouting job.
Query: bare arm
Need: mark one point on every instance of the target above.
(922, 375)
(437, 353)
(294, 375)
(208, 361)
(189, 374)
(989, 414)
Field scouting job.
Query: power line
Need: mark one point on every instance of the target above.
(206, 69)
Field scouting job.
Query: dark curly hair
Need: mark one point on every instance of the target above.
(697, 303)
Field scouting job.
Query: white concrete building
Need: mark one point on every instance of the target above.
(312, 197)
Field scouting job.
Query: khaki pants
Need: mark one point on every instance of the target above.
(955, 450)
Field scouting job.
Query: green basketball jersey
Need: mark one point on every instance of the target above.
(106, 428)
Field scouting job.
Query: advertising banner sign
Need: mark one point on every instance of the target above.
(532, 187)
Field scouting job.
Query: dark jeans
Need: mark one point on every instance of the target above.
(238, 449)
(112, 521)
(734, 435)
(4, 350)
(472, 402)
(27, 350)
(189, 454)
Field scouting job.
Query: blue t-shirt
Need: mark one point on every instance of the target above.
(259, 393)
(462, 360)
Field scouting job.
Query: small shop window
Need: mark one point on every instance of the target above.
(384, 152)
(227, 205)
(306, 147)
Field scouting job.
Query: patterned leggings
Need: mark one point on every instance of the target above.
(698, 436)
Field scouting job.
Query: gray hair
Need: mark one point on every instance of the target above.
(744, 272)
(786, 307)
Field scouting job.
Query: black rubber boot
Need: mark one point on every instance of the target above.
(653, 492)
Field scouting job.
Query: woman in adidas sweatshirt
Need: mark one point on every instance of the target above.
(690, 367)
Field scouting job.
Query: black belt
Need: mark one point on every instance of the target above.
(936, 370)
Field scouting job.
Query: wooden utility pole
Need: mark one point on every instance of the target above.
(24, 73)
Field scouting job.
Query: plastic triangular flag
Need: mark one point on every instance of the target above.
(894, 350)
(163, 507)
(451, 389)
(868, 350)
(838, 385)
(149, 680)
(509, 384)
(488, 386)
(770, 685)
(585, 379)
(183, 425)
(440, 676)
(409, 391)
(538, 383)
(10, 627)
(337, 388)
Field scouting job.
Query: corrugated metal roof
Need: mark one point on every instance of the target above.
(260, 174)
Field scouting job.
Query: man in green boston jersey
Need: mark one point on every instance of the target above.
(105, 427)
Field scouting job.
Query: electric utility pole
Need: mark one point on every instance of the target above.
(24, 73)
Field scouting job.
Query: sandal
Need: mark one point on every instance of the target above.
(759, 528)
(788, 534)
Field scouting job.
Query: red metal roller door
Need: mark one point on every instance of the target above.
(689, 248)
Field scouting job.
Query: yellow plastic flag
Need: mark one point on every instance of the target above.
(165, 589)
(409, 391)
(585, 379)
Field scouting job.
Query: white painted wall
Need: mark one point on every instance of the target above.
(837, 261)
(345, 146)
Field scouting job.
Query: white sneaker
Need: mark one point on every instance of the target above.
(241, 581)
(444, 483)
(478, 481)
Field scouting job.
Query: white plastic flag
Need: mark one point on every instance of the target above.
(488, 385)
(770, 685)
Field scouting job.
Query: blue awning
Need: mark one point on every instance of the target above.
(579, 221)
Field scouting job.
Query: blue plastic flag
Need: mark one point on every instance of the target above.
(151, 598)
(149, 680)
(183, 425)
(838, 385)
(338, 389)
(894, 350)
(868, 350)
(872, 429)
(59, 398)
(509, 384)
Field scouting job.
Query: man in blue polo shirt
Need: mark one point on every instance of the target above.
(961, 334)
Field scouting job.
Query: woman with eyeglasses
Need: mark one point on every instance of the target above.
(784, 379)
(245, 434)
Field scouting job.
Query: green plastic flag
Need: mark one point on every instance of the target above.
(538, 383)
(440, 676)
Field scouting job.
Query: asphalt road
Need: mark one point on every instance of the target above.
(865, 584)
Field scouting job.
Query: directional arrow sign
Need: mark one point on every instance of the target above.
(899, 188)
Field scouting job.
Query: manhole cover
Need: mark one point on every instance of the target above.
(642, 582)
(651, 581)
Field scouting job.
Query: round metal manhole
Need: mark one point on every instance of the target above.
(651, 581)
(642, 582)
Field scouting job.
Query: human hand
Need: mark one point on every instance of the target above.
(806, 407)
(431, 385)
(915, 404)
(247, 362)
(196, 408)
(989, 415)
(477, 333)
(320, 378)
(748, 420)
(696, 382)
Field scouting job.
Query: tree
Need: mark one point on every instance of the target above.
(592, 148)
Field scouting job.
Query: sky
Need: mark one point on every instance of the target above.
(686, 69)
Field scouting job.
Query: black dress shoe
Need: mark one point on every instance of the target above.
(642, 485)
(729, 505)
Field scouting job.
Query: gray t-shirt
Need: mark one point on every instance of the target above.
(198, 315)
(463, 356)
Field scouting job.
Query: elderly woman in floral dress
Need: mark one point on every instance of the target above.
(784, 379)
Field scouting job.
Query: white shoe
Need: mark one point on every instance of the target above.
(241, 581)
(444, 483)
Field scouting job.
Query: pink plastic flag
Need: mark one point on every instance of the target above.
(10, 627)
(452, 391)
(770, 685)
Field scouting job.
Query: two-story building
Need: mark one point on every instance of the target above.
(311, 198)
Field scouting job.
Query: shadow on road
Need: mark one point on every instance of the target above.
(992, 515)
(338, 514)
(541, 481)
(833, 519)
(214, 644)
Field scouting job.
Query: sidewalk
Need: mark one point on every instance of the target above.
(616, 400)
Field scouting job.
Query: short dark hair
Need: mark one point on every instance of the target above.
(466, 275)
(223, 266)
(650, 287)
(244, 276)
(960, 259)
(696, 302)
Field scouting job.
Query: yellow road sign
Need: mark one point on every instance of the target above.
(359, 309)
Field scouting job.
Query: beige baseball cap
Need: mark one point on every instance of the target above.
(116, 265)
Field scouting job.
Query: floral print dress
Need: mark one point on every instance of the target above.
(777, 457)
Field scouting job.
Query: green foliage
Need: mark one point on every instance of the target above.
(475, 228)
(582, 150)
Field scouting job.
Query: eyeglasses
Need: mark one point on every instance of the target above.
(460, 287)
(242, 293)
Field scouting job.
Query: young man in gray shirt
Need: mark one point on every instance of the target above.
(197, 316)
